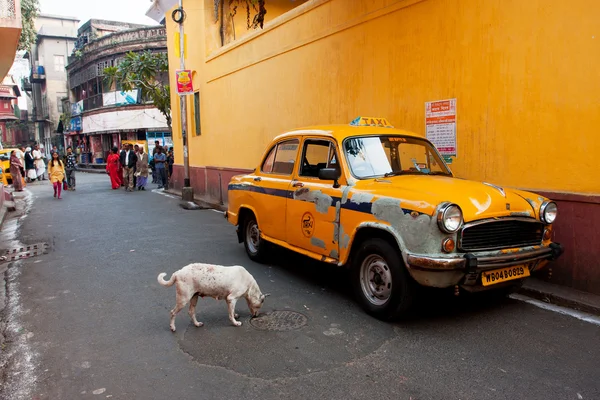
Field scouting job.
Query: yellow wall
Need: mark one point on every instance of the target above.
(525, 75)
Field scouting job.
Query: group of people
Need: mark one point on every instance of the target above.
(130, 168)
(29, 164)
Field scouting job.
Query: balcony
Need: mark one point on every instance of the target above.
(38, 73)
(26, 85)
(10, 32)
(93, 102)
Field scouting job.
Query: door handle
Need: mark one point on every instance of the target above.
(257, 179)
(298, 184)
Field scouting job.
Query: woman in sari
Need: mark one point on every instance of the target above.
(113, 164)
(16, 169)
(142, 169)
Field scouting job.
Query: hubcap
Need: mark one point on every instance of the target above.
(376, 279)
(252, 237)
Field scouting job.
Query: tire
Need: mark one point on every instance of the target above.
(255, 246)
(377, 260)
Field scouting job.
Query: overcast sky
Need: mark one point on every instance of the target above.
(133, 11)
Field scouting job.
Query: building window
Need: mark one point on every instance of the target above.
(59, 63)
(197, 112)
(59, 105)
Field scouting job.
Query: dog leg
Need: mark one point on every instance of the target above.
(192, 310)
(232, 315)
(180, 303)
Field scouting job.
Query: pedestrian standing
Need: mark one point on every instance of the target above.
(159, 164)
(123, 150)
(16, 170)
(154, 173)
(113, 165)
(56, 173)
(40, 165)
(71, 167)
(136, 150)
(142, 169)
(170, 162)
(29, 165)
(128, 161)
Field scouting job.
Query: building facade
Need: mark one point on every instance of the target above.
(47, 83)
(519, 74)
(102, 115)
(10, 32)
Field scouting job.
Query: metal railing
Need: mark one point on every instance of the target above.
(93, 102)
(8, 9)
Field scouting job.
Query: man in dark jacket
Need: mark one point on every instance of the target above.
(128, 161)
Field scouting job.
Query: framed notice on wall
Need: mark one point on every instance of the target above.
(440, 126)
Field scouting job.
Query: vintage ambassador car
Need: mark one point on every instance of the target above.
(383, 202)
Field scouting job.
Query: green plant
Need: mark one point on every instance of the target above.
(144, 70)
(30, 9)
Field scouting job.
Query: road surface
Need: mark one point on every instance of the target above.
(89, 320)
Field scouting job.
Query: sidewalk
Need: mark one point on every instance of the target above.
(561, 296)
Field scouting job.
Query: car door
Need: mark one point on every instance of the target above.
(271, 184)
(311, 216)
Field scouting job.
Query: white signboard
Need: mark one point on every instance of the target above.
(120, 98)
(440, 125)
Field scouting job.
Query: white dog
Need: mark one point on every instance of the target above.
(229, 283)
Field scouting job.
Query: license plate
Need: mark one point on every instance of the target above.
(505, 274)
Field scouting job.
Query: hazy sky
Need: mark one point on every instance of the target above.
(133, 11)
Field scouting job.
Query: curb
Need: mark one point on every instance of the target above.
(201, 202)
(561, 296)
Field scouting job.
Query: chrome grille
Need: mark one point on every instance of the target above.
(500, 234)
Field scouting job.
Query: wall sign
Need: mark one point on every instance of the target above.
(184, 82)
(440, 126)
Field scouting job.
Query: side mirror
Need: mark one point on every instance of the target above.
(330, 174)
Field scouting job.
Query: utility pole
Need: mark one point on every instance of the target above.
(187, 192)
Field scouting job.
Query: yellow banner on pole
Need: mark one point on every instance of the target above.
(176, 45)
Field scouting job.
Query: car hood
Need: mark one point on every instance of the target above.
(478, 200)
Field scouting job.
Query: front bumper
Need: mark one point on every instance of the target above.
(465, 270)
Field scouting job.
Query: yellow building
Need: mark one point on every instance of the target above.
(524, 75)
(10, 32)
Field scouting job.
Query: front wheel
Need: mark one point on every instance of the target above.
(382, 285)
(254, 244)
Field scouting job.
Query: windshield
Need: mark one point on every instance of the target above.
(375, 156)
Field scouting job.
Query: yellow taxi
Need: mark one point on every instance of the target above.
(5, 176)
(382, 202)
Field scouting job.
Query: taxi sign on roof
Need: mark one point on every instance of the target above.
(371, 121)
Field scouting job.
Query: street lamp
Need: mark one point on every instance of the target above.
(157, 12)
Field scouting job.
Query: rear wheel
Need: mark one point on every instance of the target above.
(254, 244)
(382, 285)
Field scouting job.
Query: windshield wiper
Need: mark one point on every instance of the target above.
(391, 173)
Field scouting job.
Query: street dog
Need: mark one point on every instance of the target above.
(207, 280)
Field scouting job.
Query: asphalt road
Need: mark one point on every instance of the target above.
(89, 320)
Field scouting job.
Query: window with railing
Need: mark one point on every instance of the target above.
(93, 102)
(8, 9)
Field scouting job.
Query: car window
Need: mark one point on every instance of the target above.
(281, 158)
(268, 164)
(317, 154)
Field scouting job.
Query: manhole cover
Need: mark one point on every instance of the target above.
(279, 321)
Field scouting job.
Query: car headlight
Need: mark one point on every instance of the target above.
(548, 212)
(449, 217)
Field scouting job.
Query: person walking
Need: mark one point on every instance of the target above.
(40, 165)
(29, 165)
(128, 161)
(56, 173)
(16, 171)
(154, 150)
(113, 165)
(159, 164)
(71, 167)
(142, 169)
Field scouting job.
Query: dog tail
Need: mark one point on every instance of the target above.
(162, 281)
